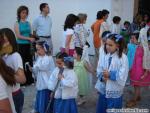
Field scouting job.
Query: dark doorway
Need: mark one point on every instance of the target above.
(144, 7)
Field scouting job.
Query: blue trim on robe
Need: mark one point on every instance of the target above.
(100, 77)
(112, 75)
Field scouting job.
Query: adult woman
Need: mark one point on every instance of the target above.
(23, 33)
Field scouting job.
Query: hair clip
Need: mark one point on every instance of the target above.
(69, 58)
(118, 37)
(108, 35)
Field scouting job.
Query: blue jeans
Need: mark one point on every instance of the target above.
(19, 101)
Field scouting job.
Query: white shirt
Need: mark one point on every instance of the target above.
(65, 33)
(15, 62)
(42, 25)
(68, 87)
(6, 92)
(42, 69)
(115, 28)
(104, 27)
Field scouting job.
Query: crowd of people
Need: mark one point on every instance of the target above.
(62, 83)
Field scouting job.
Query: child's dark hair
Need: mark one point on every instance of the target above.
(79, 51)
(44, 45)
(116, 19)
(68, 60)
(118, 39)
(126, 23)
(136, 34)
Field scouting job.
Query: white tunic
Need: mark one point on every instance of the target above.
(114, 88)
(68, 86)
(42, 70)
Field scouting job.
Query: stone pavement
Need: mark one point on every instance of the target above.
(90, 106)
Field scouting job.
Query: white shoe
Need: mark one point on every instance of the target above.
(81, 101)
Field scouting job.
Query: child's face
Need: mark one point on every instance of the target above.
(59, 63)
(133, 39)
(111, 46)
(126, 26)
(75, 55)
(40, 50)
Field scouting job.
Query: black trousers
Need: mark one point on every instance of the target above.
(25, 52)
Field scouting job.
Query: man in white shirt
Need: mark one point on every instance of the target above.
(42, 25)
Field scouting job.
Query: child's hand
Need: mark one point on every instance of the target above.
(60, 77)
(106, 74)
(105, 79)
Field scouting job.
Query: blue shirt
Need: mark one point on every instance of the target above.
(25, 30)
(42, 25)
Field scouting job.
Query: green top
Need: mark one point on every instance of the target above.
(25, 30)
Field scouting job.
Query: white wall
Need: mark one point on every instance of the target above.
(58, 11)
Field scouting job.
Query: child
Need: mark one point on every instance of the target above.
(125, 32)
(42, 69)
(8, 50)
(80, 67)
(115, 28)
(139, 74)
(113, 73)
(132, 48)
(68, 34)
(102, 53)
(65, 82)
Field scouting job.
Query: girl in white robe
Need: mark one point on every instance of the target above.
(63, 81)
(113, 75)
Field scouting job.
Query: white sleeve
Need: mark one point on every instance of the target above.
(53, 80)
(69, 80)
(3, 90)
(17, 63)
(104, 27)
(44, 65)
(69, 32)
(52, 67)
(100, 61)
(122, 74)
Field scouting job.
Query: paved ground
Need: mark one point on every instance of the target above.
(90, 106)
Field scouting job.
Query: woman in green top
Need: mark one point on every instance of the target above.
(23, 33)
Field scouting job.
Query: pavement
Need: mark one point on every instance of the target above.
(90, 105)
